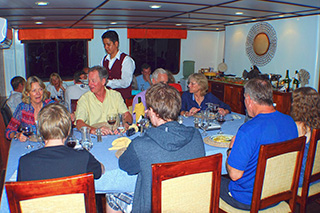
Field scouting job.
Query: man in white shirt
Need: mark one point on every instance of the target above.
(119, 65)
(14, 100)
(75, 91)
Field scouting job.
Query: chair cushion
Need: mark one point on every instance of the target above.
(313, 189)
(58, 203)
(281, 207)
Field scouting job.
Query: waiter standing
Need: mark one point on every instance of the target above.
(119, 65)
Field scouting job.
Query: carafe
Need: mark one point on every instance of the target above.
(85, 138)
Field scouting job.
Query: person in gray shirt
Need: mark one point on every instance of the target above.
(14, 100)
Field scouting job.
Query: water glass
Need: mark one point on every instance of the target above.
(196, 122)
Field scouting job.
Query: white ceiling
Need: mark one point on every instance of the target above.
(207, 15)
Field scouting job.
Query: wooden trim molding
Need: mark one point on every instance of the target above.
(54, 34)
(157, 33)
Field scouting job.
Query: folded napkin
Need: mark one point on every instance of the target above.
(120, 143)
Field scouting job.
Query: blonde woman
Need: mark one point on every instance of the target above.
(34, 97)
(196, 98)
(56, 87)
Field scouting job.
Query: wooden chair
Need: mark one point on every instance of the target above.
(4, 142)
(4, 153)
(277, 177)
(6, 113)
(190, 185)
(67, 194)
(311, 174)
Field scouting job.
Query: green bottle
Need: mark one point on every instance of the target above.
(287, 81)
(295, 82)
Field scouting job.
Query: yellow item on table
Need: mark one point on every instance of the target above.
(139, 110)
(120, 143)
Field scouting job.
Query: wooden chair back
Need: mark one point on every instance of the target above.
(277, 177)
(6, 113)
(67, 194)
(190, 185)
(311, 173)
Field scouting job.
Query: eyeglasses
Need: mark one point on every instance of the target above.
(192, 83)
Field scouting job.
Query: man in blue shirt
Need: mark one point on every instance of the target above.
(144, 80)
(266, 127)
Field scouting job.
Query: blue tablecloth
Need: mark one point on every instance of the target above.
(114, 179)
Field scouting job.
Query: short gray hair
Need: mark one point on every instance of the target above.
(103, 72)
(260, 91)
(157, 72)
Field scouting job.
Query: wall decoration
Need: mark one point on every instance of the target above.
(261, 43)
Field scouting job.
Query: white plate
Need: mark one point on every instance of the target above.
(223, 138)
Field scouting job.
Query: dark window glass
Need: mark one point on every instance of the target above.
(164, 53)
(63, 57)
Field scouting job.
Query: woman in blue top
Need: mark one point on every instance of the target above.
(197, 97)
(305, 111)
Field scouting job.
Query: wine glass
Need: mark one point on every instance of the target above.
(112, 119)
(26, 130)
(205, 126)
(220, 119)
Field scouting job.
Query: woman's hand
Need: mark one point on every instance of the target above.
(192, 111)
(223, 111)
(21, 137)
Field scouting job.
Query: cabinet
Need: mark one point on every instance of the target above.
(232, 94)
(282, 101)
(217, 89)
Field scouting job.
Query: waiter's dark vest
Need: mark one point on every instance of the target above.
(115, 73)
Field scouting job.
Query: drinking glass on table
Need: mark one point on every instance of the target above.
(26, 130)
(205, 126)
(121, 126)
(220, 119)
(112, 119)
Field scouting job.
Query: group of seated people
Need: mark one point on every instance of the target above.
(167, 141)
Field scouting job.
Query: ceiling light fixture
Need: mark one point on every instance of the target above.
(178, 24)
(231, 22)
(253, 19)
(155, 6)
(42, 3)
(281, 16)
(217, 28)
(239, 13)
(113, 23)
(38, 22)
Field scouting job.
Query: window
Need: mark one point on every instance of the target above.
(164, 53)
(63, 56)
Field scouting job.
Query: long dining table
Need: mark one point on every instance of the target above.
(114, 179)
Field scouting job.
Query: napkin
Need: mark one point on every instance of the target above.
(120, 143)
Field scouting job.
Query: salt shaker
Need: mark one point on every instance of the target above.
(99, 135)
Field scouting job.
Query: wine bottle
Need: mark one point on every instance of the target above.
(295, 82)
(287, 81)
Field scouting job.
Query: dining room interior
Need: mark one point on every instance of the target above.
(223, 39)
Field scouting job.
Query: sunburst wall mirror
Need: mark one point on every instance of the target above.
(261, 43)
